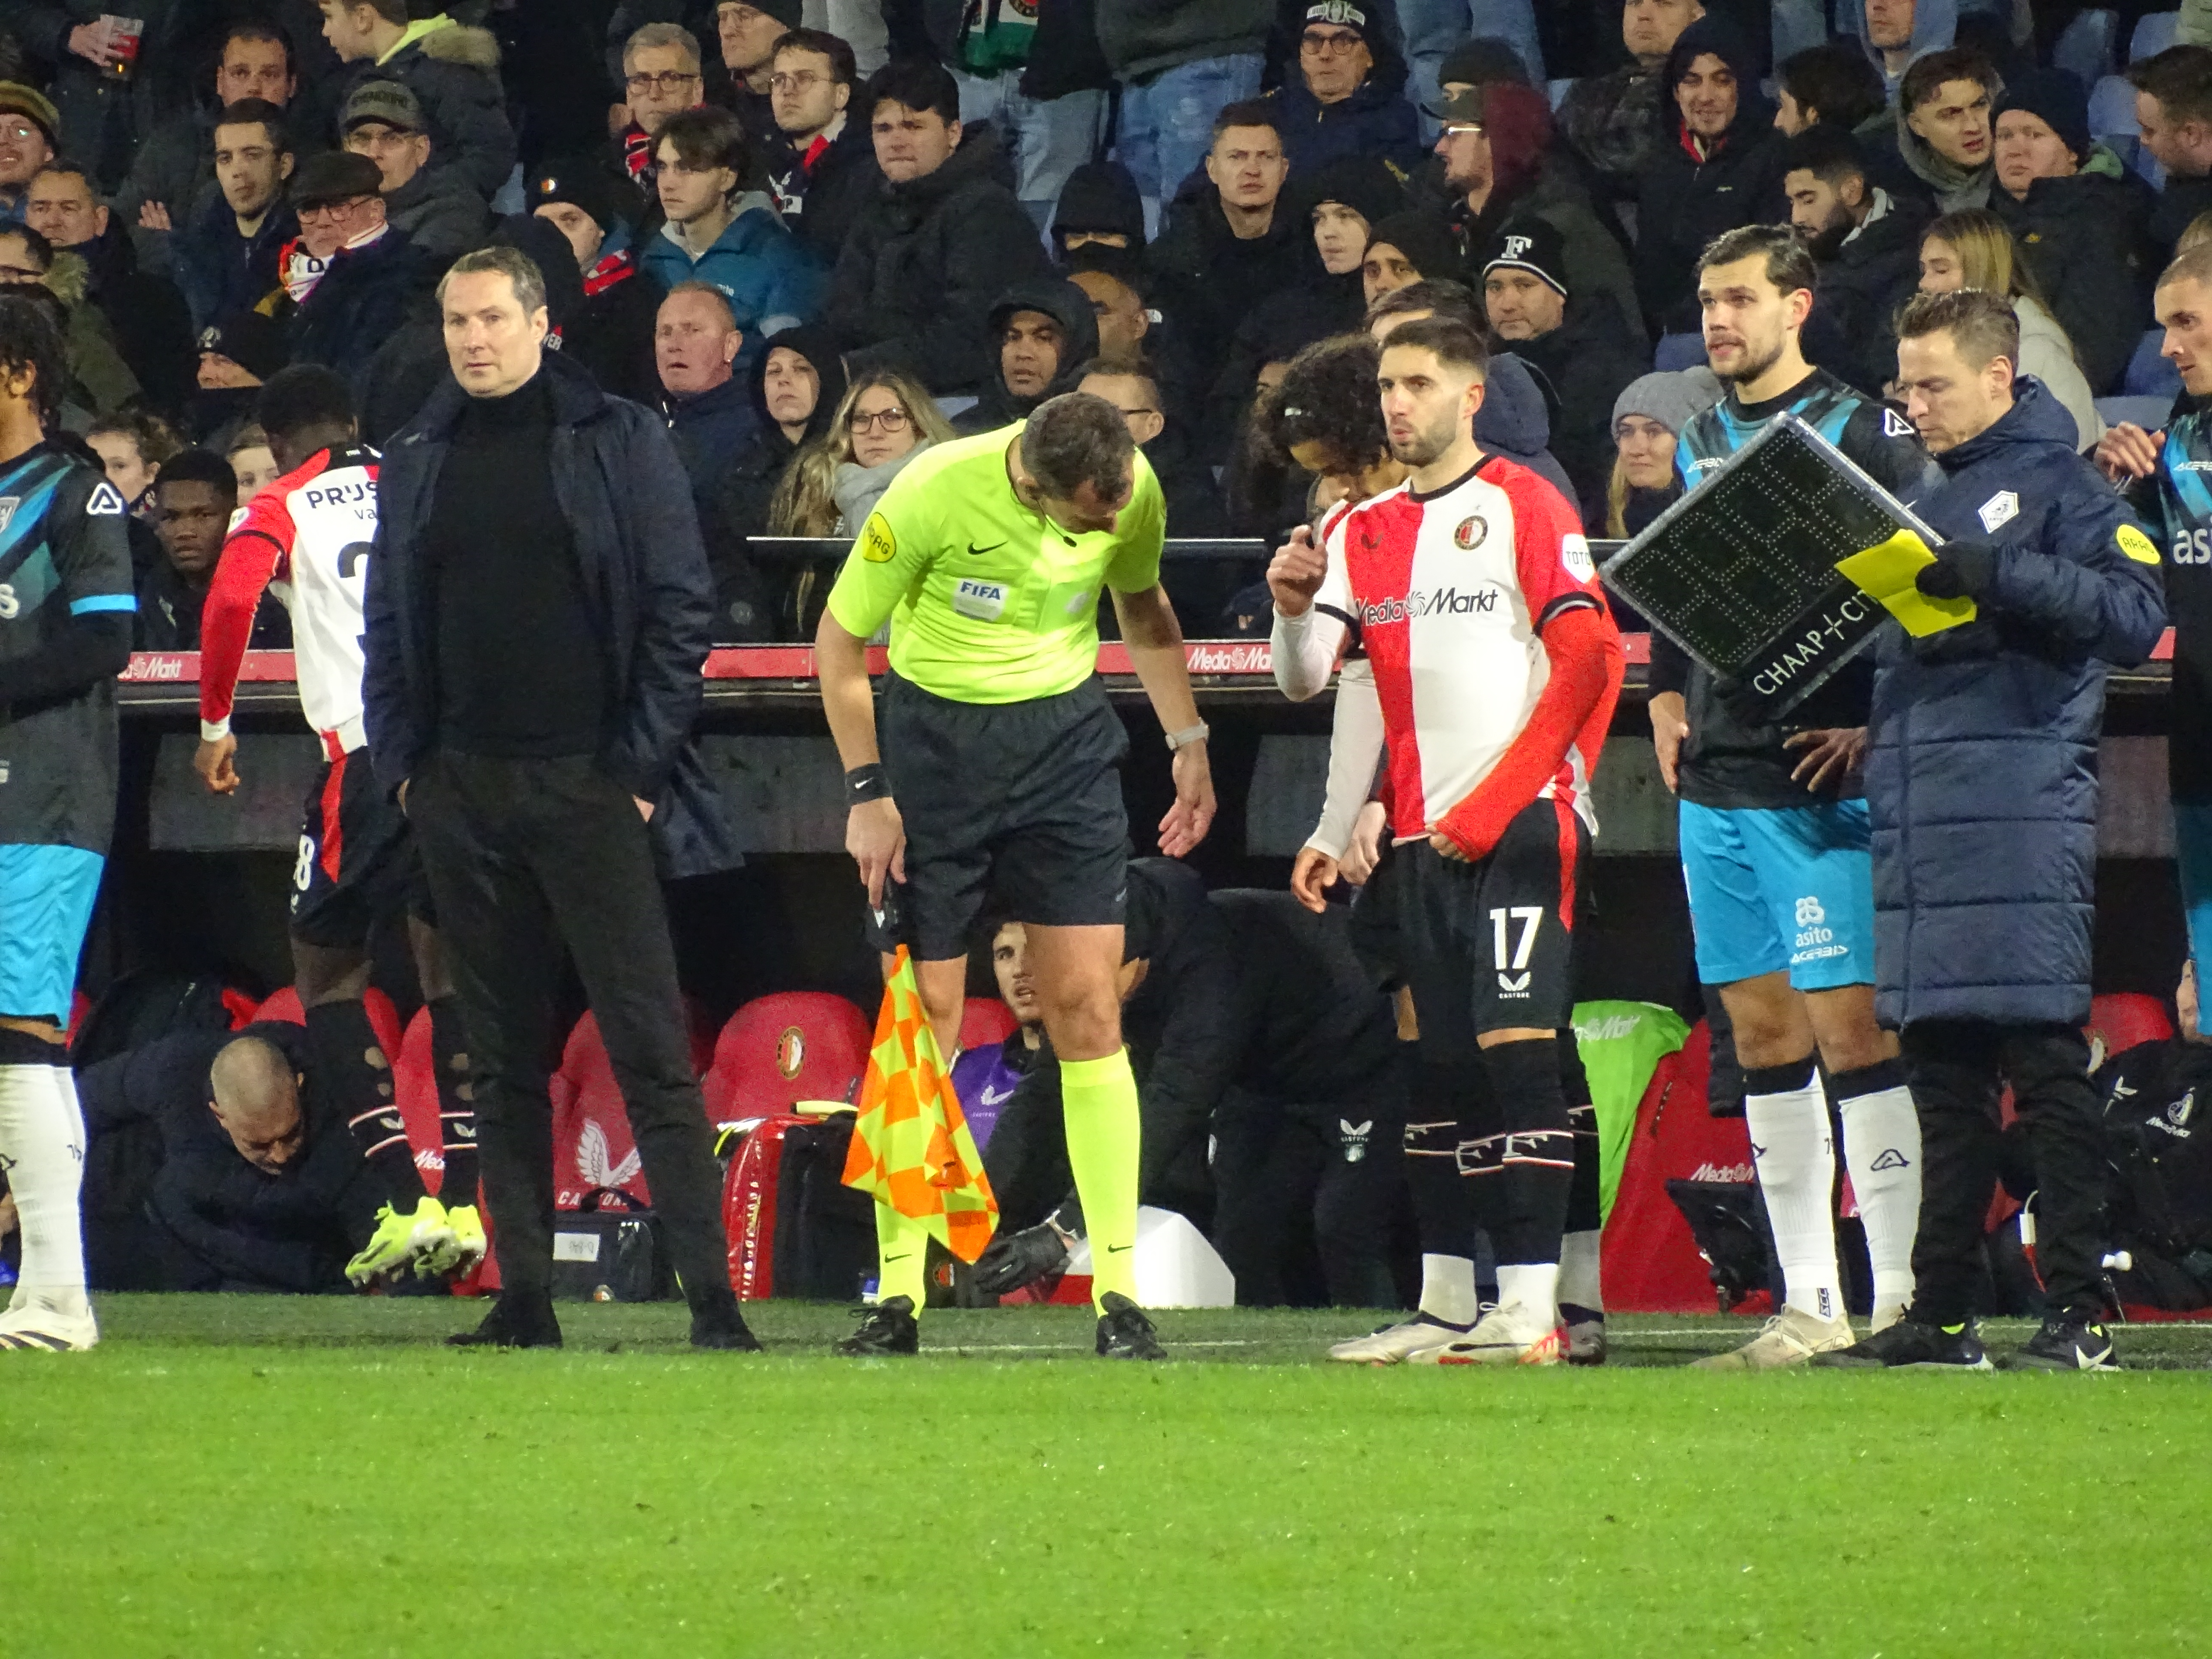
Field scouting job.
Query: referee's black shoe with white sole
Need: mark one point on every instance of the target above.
(1911, 1343)
(888, 1330)
(516, 1320)
(1124, 1333)
(2067, 1342)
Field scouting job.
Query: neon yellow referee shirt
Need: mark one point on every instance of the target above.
(989, 601)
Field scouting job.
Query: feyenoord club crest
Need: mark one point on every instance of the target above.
(791, 1051)
(1471, 532)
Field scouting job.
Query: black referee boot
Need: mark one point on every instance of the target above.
(2067, 1342)
(889, 1330)
(1124, 1333)
(519, 1319)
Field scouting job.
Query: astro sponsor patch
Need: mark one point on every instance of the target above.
(878, 545)
(2137, 546)
(984, 601)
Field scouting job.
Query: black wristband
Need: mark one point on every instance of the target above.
(867, 783)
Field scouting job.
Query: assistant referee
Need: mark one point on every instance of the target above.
(997, 771)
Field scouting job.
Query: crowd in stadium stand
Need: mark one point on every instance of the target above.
(819, 236)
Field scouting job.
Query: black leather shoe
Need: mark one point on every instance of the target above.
(1124, 1333)
(719, 1327)
(889, 1329)
(516, 1321)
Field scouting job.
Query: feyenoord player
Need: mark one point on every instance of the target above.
(1777, 852)
(65, 610)
(308, 536)
(999, 770)
(1497, 665)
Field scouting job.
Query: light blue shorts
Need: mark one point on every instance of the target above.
(1776, 888)
(46, 905)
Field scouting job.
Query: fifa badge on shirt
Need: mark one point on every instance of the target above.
(1472, 532)
(2000, 508)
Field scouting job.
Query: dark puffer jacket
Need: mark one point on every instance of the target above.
(926, 260)
(1068, 305)
(628, 506)
(1376, 120)
(2088, 240)
(1981, 772)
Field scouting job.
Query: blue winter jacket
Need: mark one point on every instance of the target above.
(770, 280)
(628, 506)
(1376, 120)
(1981, 771)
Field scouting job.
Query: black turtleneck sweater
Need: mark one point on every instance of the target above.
(522, 669)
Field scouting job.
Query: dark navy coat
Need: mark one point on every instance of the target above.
(628, 506)
(1981, 771)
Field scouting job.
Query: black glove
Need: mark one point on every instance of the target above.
(1962, 570)
(1015, 1260)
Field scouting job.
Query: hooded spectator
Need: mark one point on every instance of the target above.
(613, 331)
(1830, 85)
(227, 257)
(1045, 332)
(1408, 247)
(1607, 118)
(1894, 32)
(2173, 114)
(1496, 152)
(822, 166)
(796, 383)
(1867, 244)
(1345, 93)
(435, 207)
(2080, 215)
(350, 278)
(1973, 249)
(454, 72)
(1231, 243)
(1943, 107)
(152, 327)
(1342, 204)
(1716, 165)
(1648, 417)
(1580, 350)
(942, 238)
(236, 355)
(1098, 206)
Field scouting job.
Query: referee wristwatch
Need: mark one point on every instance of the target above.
(1189, 735)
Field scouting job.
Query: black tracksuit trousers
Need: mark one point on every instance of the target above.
(526, 859)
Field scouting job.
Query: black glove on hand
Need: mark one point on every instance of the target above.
(1015, 1260)
(1962, 570)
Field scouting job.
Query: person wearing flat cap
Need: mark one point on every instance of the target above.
(1580, 352)
(2082, 217)
(350, 278)
(432, 203)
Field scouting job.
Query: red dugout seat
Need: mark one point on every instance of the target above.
(591, 1143)
(778, 1050)
(2124, 1019)
(986, 1020)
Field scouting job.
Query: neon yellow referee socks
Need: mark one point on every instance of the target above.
(901, 1258)
(1099, 1099)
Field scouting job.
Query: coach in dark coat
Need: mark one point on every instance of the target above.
(1981, 781)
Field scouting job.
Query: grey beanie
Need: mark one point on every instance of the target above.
(1670, 398)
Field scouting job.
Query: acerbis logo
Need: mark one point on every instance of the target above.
(1441, 602)
(106, 501)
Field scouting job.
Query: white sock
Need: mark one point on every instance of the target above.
(42, 1147)
(1535, 1286)
(1881, 1149)
(1795, 1153)
(1579, 1281)
(1448, 1288)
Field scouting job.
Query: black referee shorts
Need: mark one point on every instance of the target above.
(1020, 801)
(1489, 946)
(357, 864)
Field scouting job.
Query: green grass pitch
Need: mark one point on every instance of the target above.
(249, 1476)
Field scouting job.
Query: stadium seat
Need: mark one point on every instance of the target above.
(591, 1142)
(2113, 117)
(2121, 1019)
(778, 1050)
(2154, 32)
(2148, 413)
(2087, 44)
(2149, 373)
(383, 1017)
(1679, 351)
(985, 1020)
(283, 1006)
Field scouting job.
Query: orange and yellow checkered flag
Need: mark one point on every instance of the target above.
(911, 1148)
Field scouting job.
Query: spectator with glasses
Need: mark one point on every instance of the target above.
(883, 421)
(1346, 95)
(749, 31)
(821, 165)
(660, 76)
(439, 210)
(1132, 385)
(350, 278)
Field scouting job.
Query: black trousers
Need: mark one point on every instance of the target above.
(1293, 1172)
(529, 859)
(1955, 1068)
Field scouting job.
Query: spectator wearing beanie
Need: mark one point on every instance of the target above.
(1648, 417)
(1405, 248)
(1607, 118)
(614, 326)
(1438, 30)
(2080, 217)
(1098, 204)
(452, 70)
(1580, 351)
(1716, 164)
(236, 355)
(1495, 149)
(1942, 126)
(1344, 92)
